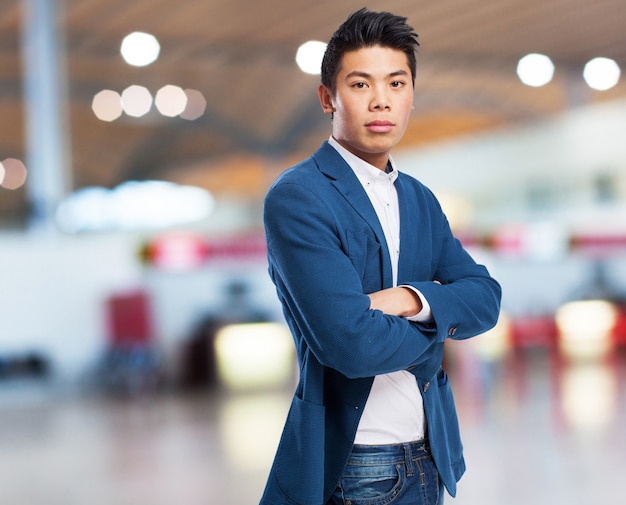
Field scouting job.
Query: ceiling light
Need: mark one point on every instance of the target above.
(535, 69)
(309, 56)
(13, 174)
(196, 105)
(140, 49)
(601, 73)
(170, 100)
(136, 101)
(107, 105)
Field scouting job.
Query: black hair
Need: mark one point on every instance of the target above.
(365, 28)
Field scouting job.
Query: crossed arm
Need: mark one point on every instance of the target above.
(398, 301)
(401, 301)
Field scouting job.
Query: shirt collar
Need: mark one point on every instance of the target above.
(363, 169)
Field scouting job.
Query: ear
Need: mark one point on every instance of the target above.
(326, 99)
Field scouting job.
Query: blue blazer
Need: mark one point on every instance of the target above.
(326, 251)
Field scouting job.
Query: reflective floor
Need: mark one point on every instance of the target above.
(542, 431)
(537, 431)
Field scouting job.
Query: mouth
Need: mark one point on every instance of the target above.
(379, 126)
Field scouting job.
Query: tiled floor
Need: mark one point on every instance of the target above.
(535, 431)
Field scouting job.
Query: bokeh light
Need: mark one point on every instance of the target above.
(309, 56)
(585, 328)
(254, 355)
(171, 100)
(12, 173)
(134, 205)
(140, 49)
(107, 105)
(136, 100)
(601, 74)
(535, 69)
(196, 105)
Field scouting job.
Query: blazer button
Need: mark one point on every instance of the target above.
(452, 331)
(426, 386)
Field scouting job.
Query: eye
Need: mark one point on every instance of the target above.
(359, 85)
(397, 84)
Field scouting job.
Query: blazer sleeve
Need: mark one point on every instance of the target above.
(322, 291)
(467, 302)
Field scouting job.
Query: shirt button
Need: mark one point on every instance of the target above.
(452, 331)
(426, 386)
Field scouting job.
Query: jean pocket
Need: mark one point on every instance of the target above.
(371, 484)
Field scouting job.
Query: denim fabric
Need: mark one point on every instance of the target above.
(399, 474)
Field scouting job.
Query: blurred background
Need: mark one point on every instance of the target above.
(143, 356)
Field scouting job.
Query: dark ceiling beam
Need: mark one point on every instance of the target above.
(152, 155)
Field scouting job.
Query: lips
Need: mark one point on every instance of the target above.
(380, 126)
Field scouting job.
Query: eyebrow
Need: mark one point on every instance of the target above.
(365, 75)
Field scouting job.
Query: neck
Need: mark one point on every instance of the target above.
(378, 160)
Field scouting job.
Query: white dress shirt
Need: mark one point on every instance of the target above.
(394, 412)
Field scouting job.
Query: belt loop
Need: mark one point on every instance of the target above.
(408, 459)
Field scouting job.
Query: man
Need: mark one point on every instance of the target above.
(372, 283)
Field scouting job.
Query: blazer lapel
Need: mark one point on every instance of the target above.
(331, 164)
(409, 240)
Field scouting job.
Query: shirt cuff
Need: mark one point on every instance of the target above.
(424, 315)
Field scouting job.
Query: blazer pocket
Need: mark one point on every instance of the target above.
(300, 456)
(364, 252)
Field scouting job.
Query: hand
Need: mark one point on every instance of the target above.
(399, 301)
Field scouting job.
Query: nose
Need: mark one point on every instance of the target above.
(380, 101)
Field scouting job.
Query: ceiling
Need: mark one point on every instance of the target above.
(262, 112)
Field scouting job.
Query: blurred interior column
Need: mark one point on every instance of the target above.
(45, 92)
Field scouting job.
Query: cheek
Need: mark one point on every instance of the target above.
(408, 101)
(344, 117)
(408, 107)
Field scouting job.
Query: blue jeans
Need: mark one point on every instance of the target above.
(399, 474)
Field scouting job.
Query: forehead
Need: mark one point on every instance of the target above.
(374, 60)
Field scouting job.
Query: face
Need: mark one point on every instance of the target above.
(372, 102)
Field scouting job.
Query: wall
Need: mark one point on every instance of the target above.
(53, 290)
(553, 168)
